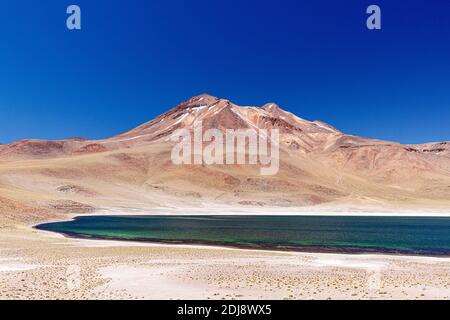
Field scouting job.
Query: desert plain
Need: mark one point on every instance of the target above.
(322, 171)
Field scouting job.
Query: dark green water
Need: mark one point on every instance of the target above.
(403, 235)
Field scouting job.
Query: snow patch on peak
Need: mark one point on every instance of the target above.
(203, 96)
(271, 106)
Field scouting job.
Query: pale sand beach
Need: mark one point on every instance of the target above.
(43, 265)
(210, 208)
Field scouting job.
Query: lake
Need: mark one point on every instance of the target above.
(395, 235)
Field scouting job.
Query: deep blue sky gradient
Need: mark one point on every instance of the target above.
(135, 59)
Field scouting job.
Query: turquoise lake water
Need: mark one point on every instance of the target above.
(397, 235)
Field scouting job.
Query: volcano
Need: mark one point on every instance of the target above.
(319, 165)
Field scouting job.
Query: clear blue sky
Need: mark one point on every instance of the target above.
(135, 59)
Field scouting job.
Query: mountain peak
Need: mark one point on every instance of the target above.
(199, 100)
(203, 97)
(271, 106)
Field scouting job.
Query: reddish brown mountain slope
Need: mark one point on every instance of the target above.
(318, 164)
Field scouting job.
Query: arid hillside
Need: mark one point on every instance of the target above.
(318, 165)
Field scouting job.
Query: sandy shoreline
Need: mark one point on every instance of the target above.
(36, 264)
(214, 209)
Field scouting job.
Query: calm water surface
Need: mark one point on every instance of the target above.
(402, 235)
